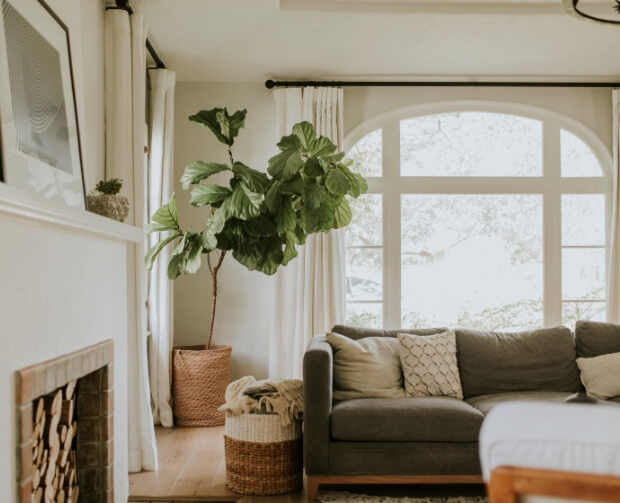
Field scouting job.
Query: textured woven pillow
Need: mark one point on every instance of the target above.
(600, 375)
(367, 368)
(430, 366)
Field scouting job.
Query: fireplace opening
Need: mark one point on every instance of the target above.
(65, 411)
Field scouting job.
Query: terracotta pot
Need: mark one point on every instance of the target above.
(199, 380)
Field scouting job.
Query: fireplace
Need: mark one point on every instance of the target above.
(88, 410)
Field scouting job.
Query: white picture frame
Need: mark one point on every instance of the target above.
(39, 132)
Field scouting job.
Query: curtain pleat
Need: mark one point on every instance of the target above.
(125, 84)
(160, 287)
(310, 289)
(613, 280)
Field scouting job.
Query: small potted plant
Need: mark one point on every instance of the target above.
(258, 218)
(105, 200)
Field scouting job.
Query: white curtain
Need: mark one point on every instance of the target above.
(160, 287)
(613, 280)
(310, 290)
(125, 89)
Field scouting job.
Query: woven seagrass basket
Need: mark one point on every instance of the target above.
(262, 456)
(199, 380)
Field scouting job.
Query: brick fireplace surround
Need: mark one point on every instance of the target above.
(92, 367)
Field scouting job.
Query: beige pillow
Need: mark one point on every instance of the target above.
(429, 365)
(366, 368)
(601, 375)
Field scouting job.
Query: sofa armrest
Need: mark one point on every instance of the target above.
(318, 386)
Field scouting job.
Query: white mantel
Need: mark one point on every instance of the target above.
(66, 282)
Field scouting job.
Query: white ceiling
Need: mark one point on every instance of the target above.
(253, 40)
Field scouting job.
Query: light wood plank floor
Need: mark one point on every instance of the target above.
(192, 468)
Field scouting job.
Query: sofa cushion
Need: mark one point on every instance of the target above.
(594, 338)
(601, 375)
(484, 403)
(368, 368)
(424, 419)
(356, 333)
(499, 362)
(429, 365)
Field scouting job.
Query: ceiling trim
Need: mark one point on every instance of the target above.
(510, 7)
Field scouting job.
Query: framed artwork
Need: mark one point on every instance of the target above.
(39, 135)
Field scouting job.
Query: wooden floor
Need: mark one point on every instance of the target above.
(192, 469)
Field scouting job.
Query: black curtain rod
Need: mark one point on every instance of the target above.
(270, 84)
(124, 5)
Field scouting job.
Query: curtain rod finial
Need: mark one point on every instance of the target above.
(270, 84)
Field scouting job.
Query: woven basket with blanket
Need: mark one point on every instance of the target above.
(262, 436)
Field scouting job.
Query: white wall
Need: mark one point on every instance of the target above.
(245, 302)
(61, 290)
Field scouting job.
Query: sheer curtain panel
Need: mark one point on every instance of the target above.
(613, 281)
(160, 287)
(310, 290)
(125, 92)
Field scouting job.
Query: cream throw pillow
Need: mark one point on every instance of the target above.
(366, 368)
(601, 375)
(429, 365)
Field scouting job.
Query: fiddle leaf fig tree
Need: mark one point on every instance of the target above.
(258, 217)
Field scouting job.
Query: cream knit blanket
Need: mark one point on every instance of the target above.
(283, 397)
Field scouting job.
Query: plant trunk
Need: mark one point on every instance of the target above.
(214, 295)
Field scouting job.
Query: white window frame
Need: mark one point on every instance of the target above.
(550, 185)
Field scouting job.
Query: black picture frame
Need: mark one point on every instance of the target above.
(49, 161)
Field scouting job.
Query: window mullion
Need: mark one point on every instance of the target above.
(552, 225)
(391, 225)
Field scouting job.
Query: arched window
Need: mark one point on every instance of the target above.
(479, 215)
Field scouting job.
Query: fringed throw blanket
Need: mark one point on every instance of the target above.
(283, 397)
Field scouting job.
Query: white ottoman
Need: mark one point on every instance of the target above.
(566, 437)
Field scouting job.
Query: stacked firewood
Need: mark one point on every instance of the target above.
(54, 476)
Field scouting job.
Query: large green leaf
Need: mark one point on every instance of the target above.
(194, 257)
(294, 186)
(285, 165)
(313, 168)
(198, 171)
(255, 180)
(249, 254)
(165, 218)
(209, 194)
(285, 218)
(289, 250)
(273, 198)
(289, 143)
(311, 220)
(321, 146)
(209, 241)
(326, 215)
(231, 124)
(263, 225)
(154, 251)
(313, 195)
(176, 266)
(244, 204)
(305, 132)
(224, 127)
(337, 182)
(342, 215)
(272, 255)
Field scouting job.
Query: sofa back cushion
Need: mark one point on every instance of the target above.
(357, 333)
(368, 368)
(500, 362)
(595, 338)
